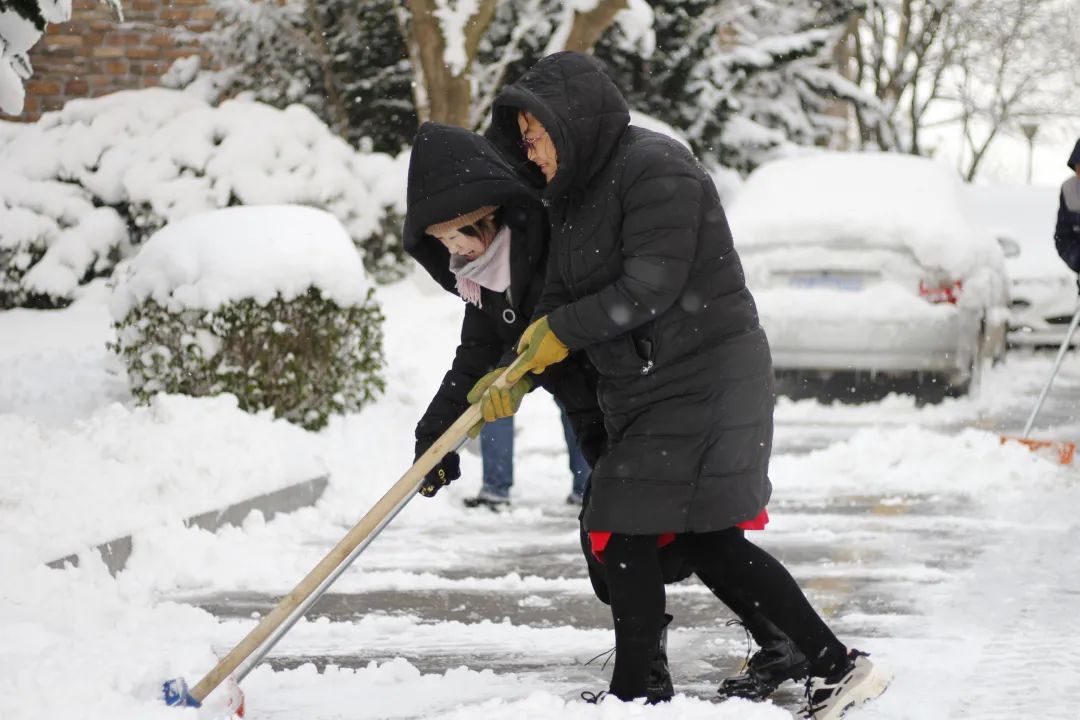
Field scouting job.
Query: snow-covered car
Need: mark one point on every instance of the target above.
(1043, 290)
(868, 264)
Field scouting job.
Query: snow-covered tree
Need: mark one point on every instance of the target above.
(1013, 58)
(452, 79)
(372, 71)
(22, 22)
(987, 64)
(267, 52)
(743, 80)
(900, 50)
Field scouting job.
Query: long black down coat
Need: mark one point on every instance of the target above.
(645, 278)
(452, 172)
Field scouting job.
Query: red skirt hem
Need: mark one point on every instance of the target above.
(598, 539)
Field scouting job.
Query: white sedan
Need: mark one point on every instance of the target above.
(866, 263)
(1043, 290)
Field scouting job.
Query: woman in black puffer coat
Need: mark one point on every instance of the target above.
(452, 174)
(643, 276)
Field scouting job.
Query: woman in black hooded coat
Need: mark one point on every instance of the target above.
(452, 172)
(643, 276)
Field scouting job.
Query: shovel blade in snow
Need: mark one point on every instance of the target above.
(227, 701)
(177, 694)
(1063, 452)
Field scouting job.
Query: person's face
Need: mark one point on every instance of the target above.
(537, 145)
(470, 241)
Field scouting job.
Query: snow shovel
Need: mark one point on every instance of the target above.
(249, 651)
(1064, 450)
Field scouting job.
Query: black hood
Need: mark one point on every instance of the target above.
(1074, 159)
(453, 171)
(580, 107)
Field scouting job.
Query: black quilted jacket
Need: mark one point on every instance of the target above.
(451, 172)
(644, 277)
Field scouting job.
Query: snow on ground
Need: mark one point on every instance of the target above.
(981, 536)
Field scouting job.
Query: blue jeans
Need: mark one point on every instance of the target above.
(497, 452)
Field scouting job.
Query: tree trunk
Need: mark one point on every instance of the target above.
(589, 26)
(448, 91)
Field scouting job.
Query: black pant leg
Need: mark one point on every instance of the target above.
(636, 588)
(725, 559)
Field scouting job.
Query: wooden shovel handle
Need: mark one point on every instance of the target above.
(405, 486)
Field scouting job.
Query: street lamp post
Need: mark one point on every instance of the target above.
(1030, 128)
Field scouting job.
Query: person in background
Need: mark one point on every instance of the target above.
(497, 453)
(1067, 230)
(643, 276)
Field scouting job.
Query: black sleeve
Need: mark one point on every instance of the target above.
(1067, 235)
(661, 201)
(476, 355)
(573, 384)
(555, 293)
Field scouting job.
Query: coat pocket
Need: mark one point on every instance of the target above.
(618, 357)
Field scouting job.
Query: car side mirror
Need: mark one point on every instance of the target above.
(1010, 247)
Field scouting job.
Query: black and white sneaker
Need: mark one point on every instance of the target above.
(858, 681)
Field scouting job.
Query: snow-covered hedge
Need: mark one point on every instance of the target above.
(269, 303)
(157, 156)
(52, 238)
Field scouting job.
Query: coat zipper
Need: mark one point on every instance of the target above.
(648, 366)
(508, 315)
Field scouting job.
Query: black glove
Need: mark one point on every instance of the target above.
(448, 470)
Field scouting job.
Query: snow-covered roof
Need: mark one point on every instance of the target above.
(878, 199)
(243, 252)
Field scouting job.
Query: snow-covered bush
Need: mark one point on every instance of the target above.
(52, 239)
(270, 304)
(157, 156)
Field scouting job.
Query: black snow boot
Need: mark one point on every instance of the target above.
(658, 684)
(658, 687)
(776, 661)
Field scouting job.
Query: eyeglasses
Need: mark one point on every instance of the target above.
(528, 143)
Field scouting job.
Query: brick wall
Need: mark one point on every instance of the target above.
(95, 54)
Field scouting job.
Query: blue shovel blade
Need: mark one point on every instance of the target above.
(177, 694)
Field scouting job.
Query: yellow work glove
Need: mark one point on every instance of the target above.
(495, 404)
(538, 348)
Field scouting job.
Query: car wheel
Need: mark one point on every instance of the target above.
(972, 379)
(1002, 346)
